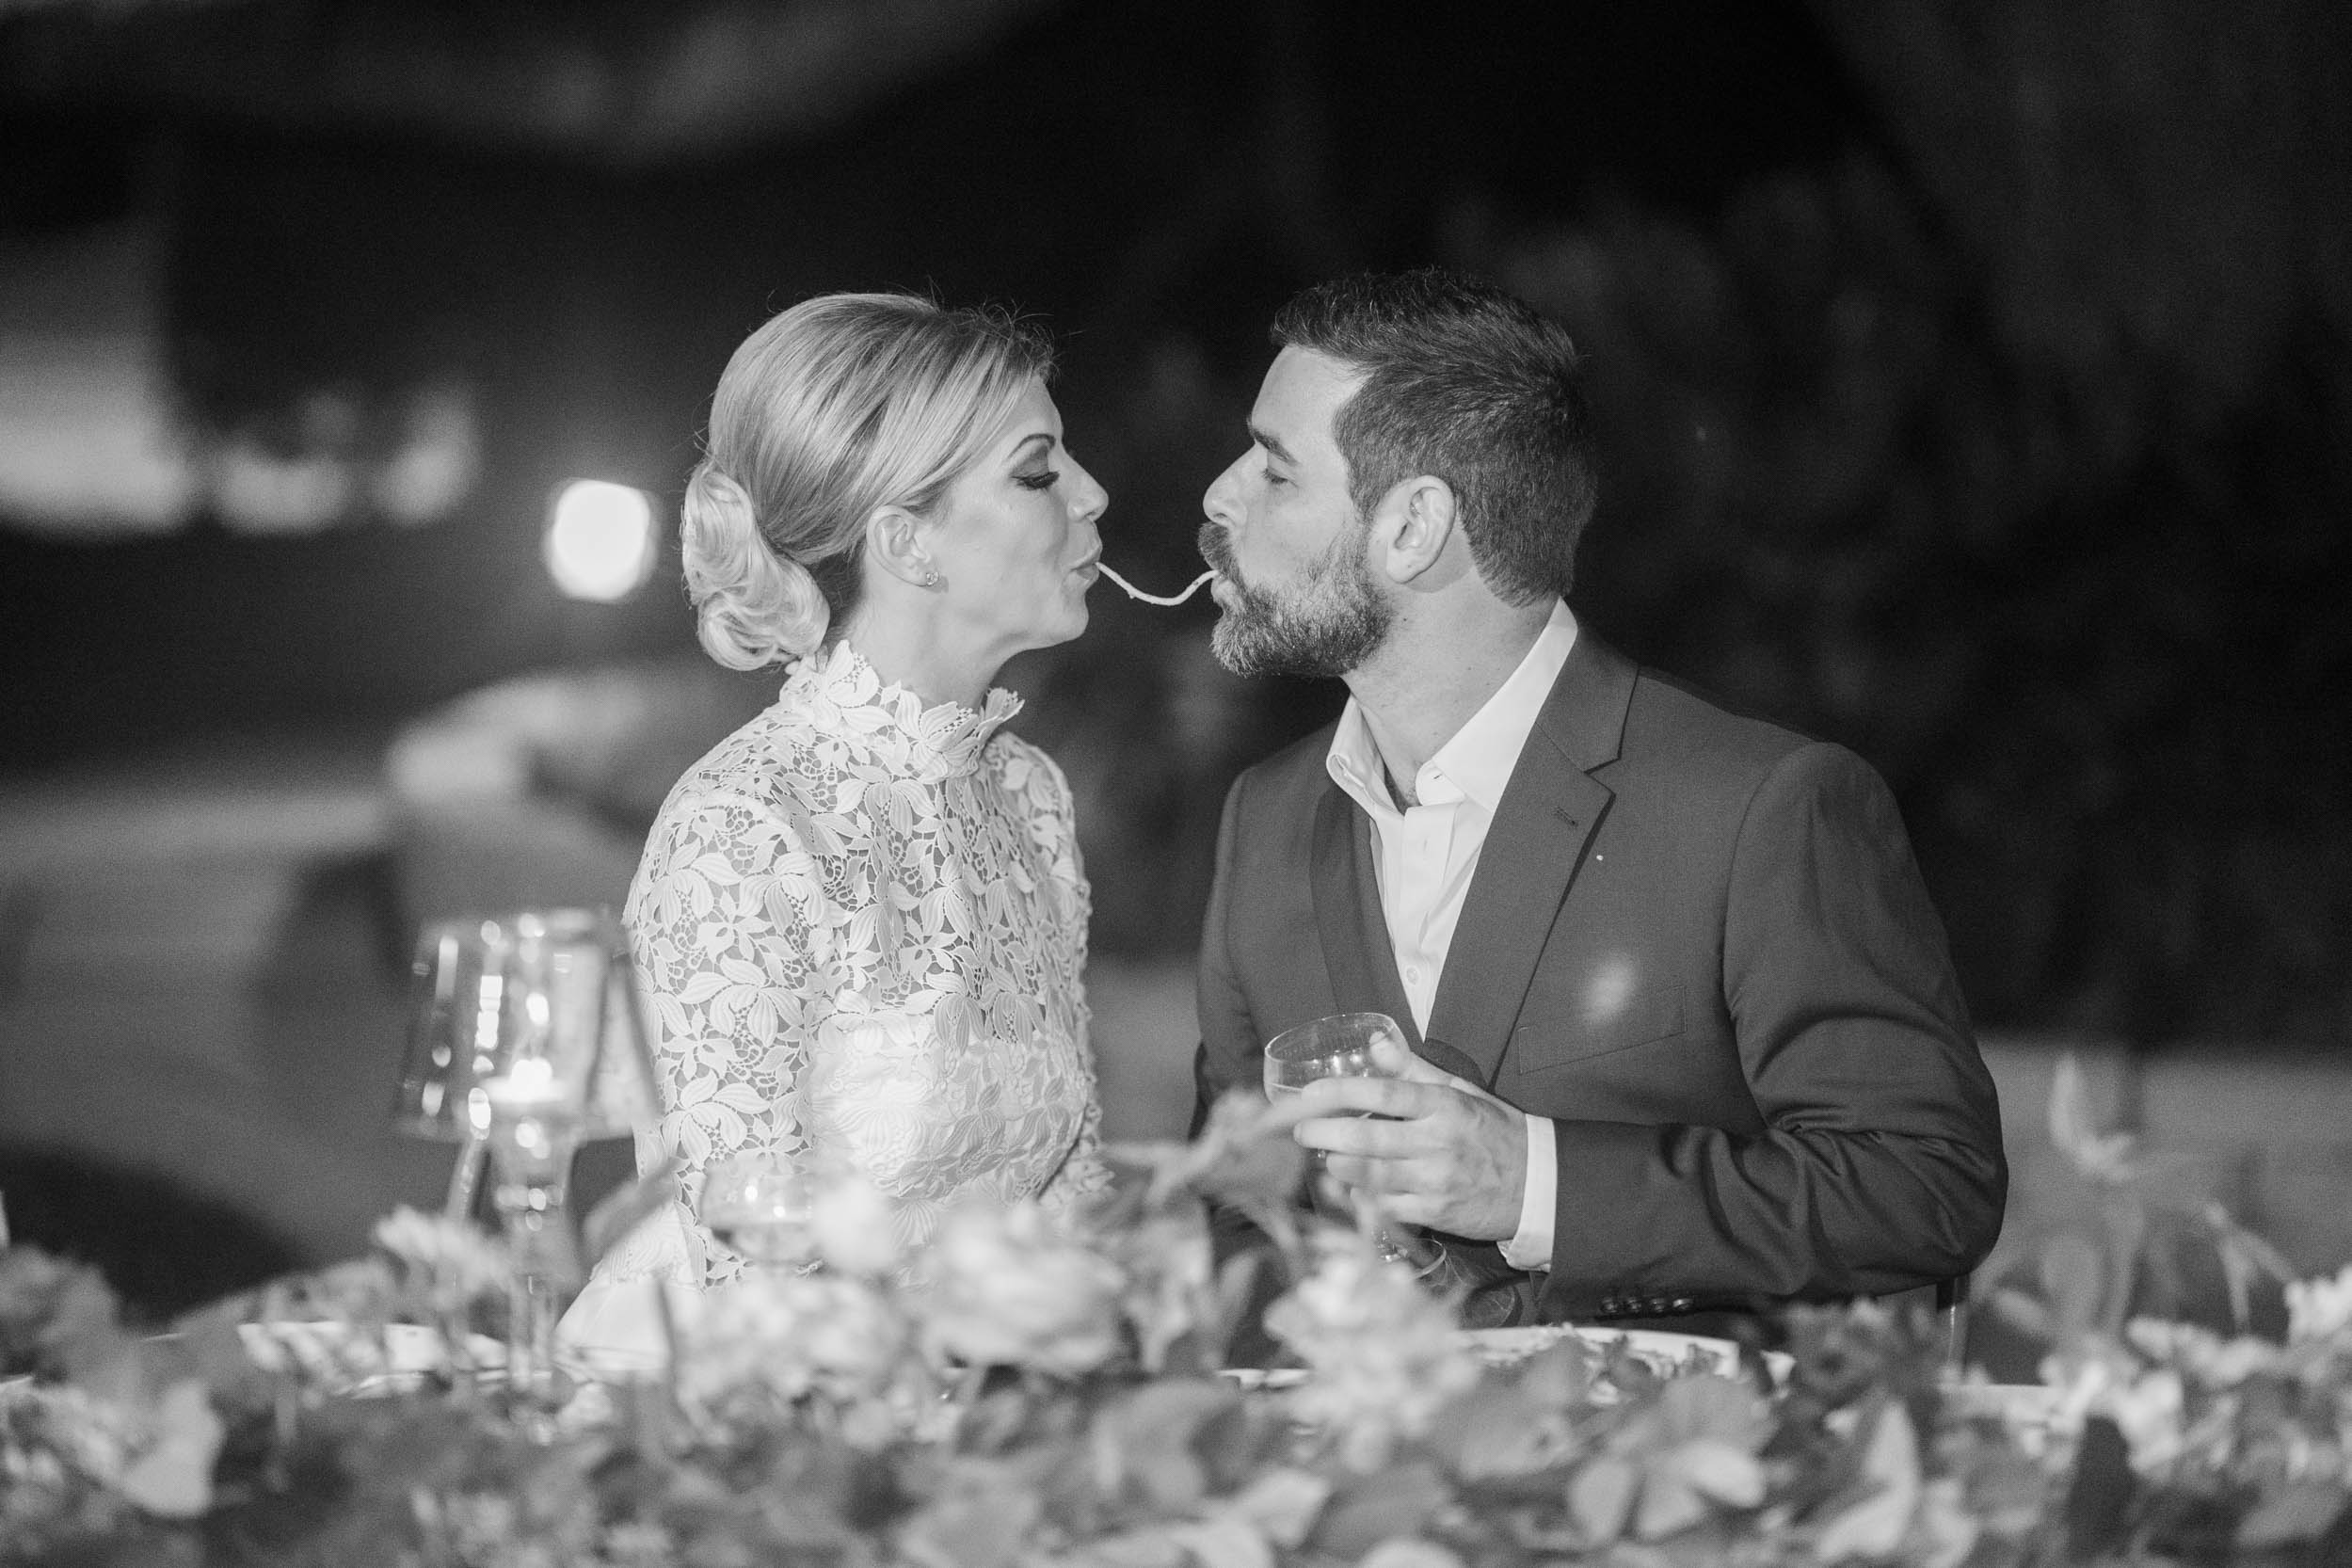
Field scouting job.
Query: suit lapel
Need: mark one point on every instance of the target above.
(1548, 814)
(1357, 945)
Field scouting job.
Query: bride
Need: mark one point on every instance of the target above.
(860, 919)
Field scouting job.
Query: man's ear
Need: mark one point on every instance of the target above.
(894, 538)
(1412, 526)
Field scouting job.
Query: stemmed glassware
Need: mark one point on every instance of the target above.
(525, 1037)
(1340, 1046)
(757, 1205)
(1337, 1047)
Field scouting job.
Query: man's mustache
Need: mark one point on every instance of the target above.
(1216, 547)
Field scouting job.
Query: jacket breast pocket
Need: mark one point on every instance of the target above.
(1596, 1010)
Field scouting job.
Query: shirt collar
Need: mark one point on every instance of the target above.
(1478, 759)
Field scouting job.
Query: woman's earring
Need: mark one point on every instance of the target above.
(931, 576)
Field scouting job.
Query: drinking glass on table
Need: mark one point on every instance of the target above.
(526, 1037)
(757, 1206)
(1341, 1047)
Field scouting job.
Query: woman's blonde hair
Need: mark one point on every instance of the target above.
(841, 405)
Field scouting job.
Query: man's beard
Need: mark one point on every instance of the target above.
(1327, 626)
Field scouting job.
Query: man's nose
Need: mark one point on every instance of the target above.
(1222, 501)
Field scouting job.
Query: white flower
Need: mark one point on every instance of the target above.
(2319, 1308)
(456, 1261)
(2149, 1411)
(855, 1229)
(2216, 1362)
(156, 1452)
(171, 1474)
(1007, 1289)
(785, 1335)
(1383, 1351)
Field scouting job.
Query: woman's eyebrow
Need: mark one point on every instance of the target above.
(1020, 448)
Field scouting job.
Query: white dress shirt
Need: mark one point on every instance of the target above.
(1425, 856)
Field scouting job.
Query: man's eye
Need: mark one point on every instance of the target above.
(1044, 481)
(1273, 478)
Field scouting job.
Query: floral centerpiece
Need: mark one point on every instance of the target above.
(1022, 1393)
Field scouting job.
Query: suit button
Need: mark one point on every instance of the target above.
(1680, 1304)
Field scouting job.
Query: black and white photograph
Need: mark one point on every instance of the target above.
(1103, 784)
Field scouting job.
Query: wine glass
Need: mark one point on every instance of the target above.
(757, 1205)
(1340, 1046)
(525, 1037)
(1336, 1047)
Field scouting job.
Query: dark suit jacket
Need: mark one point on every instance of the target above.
(1700, 944)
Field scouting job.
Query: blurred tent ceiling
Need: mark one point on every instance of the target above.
(619, 81)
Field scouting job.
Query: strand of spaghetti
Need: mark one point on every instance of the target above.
(1134, 592)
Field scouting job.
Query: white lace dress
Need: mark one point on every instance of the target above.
(862, 928)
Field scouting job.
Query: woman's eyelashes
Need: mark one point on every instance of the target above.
(1043, 481)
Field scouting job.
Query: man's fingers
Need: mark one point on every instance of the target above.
(1378, 1137)
(1379, 1097)
(1394, 1057)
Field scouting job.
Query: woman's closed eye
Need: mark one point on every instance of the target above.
(1043, 481)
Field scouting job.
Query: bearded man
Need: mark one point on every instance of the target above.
(1684, 1035)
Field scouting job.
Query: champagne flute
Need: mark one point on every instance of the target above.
(757, 1205)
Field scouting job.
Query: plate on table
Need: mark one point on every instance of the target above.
(1256, 1378)
(1663, 1352)
(355, 1360)
(2019, 1406)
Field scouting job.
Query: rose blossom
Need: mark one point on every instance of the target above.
(1007, 1289)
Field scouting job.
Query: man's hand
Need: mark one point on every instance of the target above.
(1450, 1157)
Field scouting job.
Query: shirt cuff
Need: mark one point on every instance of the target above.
(1538, 1202)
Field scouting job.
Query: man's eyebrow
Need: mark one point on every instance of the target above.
(1272, 444)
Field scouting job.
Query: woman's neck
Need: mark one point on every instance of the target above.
(914, 656)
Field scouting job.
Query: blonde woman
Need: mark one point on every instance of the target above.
(860, 919)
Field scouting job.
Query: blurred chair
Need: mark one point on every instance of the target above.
(163, 1248)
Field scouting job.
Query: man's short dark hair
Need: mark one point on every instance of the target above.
(1470, 384)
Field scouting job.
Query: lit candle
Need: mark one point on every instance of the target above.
(528, 1086)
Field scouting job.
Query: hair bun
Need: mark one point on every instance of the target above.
(753, 607)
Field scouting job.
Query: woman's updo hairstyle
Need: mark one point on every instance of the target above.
(841, 405)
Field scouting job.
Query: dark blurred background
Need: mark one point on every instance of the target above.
(1975, 381)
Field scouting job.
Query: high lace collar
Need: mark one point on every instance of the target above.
(852, 699)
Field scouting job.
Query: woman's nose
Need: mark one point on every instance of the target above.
(1089, 499)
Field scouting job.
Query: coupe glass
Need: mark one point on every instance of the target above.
(525, 1037)
(757, 1205)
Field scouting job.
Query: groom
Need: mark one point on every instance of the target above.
(1685, 1037)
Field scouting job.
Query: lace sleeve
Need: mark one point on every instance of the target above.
(725, 915)
(1082, 1174)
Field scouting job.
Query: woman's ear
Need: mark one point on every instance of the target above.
(894, 538)
(1412, 526)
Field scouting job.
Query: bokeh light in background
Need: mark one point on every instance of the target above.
(600, 540)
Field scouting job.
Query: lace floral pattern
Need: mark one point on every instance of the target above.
(861, 925)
